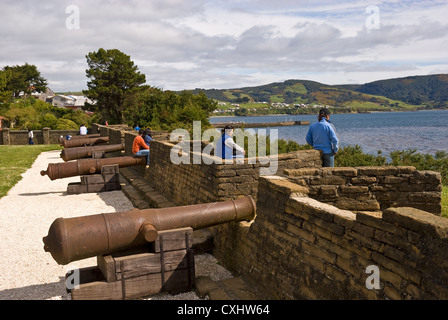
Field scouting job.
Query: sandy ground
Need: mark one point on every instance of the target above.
(27, 272)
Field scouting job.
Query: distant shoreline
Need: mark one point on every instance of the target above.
(308, 114)
(305, 114)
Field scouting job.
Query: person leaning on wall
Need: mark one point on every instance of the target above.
(322, 136)
(139, 147)
(226, 148)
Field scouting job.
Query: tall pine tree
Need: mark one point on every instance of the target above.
(113, 80)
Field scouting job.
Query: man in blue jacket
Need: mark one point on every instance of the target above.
(322, 136)
(226, 148)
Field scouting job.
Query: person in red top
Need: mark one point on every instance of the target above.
(139, 147)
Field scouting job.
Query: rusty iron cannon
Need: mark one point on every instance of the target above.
(93, 135)
(84, 142)
(71, 239)
(88, 166)
(86, 152)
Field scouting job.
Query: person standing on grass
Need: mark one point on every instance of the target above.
(322, 136)
(30, 137)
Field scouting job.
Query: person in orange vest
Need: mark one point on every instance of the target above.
(139, 147)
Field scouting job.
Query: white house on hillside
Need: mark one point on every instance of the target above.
(70, 101)
(44, 96)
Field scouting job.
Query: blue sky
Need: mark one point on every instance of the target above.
(185, 44)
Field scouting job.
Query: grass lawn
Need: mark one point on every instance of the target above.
(15, 160)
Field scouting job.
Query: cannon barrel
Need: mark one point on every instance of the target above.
(72, 239)
(85, 152)
(93, 135)
(88, 166)
(84, 141)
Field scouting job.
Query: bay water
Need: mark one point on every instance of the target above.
(425, 131)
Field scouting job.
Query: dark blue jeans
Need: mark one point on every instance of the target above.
(328, 160)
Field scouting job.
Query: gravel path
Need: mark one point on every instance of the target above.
(27, 272)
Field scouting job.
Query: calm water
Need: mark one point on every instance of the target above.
(426, 131)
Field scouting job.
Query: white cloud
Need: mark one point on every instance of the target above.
(182, 44)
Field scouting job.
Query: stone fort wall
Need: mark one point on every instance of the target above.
(300, 248)
(45, 136)
(317, 230)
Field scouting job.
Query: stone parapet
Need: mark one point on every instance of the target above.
(300, 248)
(372, 188)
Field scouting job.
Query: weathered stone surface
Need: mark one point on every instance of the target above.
(302, 172)
(418, 220)
(363, 180)
(287, 187)
(342, 171)
(328, 180)
(351, 204)
(225, 173)
(377, 171)
(328, 190)
(353, 189)
(303, 243)
(204, 285)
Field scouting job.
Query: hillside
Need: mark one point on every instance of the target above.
(413, 90)
(396, 94)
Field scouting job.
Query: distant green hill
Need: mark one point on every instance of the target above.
(396, 94)
(413, 90)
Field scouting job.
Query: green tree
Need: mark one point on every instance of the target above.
(353, 156)
(410, 157)
(5, 95)
(32, 113)
(19, 115)
(114, 79)
(78, 117)
(168, 110)
(25, 78)
(241, 112)
(66, 124)
(48, 120)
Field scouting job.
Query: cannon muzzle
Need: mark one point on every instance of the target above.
(84, 142)
(86, 152)
(88, 166)
(83, 237)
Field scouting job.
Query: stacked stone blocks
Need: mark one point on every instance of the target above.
(372, 188)
(301, 248)
(317, 230)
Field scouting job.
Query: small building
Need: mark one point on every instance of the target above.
(44, 96)
(70, 101)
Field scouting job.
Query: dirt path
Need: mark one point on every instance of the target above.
(26, 213)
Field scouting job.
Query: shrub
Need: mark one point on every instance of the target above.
(66, 124)
(353, 156)
(410, 157)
